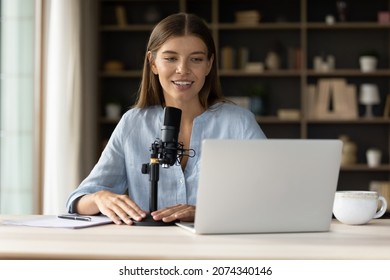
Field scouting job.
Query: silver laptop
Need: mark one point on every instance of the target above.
(258, 186)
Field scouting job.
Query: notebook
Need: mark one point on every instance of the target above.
(51, 221)
(259, 186)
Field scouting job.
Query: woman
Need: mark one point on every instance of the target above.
(180, 70)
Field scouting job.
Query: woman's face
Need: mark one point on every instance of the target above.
(182, 65)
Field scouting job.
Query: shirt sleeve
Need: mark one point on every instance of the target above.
(109, 172)
(252, 129)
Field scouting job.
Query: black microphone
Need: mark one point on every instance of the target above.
(169, 136)
(165, 152)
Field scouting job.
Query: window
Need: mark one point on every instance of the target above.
(16, 106)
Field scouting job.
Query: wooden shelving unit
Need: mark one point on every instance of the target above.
(302, 26)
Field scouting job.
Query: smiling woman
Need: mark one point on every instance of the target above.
(180, 71)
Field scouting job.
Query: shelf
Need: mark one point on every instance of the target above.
(366, 168)
(122, 74)
(128, 28)
(275, 120)
(303, 35)
(349, 73)
(265, 73)
(359, 121)
(260, 26)
(347, 25)
(376, 120)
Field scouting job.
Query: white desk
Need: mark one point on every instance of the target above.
(370, 241)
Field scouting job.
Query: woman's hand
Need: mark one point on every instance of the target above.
(182, 212)
(119, 208)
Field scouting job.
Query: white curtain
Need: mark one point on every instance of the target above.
(69, 101)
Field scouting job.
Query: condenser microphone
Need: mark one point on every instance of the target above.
(165, 151)
(169, 136)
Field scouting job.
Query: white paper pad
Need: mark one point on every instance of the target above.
(55, 222)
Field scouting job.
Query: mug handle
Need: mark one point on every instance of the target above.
(383, 208)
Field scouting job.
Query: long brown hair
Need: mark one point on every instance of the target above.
(150, 92)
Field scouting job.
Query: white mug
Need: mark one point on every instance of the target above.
(373, 157)
(358, 207)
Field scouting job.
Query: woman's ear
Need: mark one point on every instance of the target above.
(151, 63)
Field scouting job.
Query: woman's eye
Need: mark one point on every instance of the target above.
(197, 59)
(170, 59)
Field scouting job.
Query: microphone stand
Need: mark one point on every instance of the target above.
(153, 169)
(157, 158)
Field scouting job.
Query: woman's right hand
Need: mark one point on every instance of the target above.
(119, 208)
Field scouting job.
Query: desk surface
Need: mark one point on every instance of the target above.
(371, 241)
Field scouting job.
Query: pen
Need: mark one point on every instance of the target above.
(73, 217)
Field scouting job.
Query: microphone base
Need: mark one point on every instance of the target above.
(148, 221)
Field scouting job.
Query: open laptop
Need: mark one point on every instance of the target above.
(258, 186)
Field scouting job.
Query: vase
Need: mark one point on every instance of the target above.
(257, 105)
(368, 63)
(272, 61)
(113, 111)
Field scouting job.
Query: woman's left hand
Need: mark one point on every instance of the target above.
(182, 212)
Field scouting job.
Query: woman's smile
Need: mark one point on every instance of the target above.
(182, 85)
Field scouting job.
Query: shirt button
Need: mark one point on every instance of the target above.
(181, 181)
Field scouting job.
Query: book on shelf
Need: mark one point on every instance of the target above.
(332, 99)
(250, 17)
(289, 114)
(228, 56)
(294, 56)
(120, 13)
(386, 111)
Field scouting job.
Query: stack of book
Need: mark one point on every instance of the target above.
(332, 99)
(248, 17)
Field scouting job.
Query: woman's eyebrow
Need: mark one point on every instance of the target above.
(173, 52)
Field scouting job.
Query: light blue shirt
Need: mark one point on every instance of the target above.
(119, 167)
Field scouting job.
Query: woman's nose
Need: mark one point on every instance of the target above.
(182, 68)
